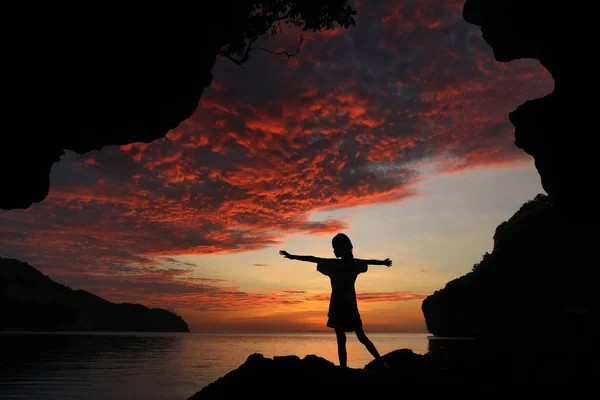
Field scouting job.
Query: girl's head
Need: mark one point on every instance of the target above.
(342, 246)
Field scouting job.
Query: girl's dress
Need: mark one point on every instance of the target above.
(343, 308)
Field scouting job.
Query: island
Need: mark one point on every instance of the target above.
(32, 301)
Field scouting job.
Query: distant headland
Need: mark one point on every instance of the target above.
(31, 301)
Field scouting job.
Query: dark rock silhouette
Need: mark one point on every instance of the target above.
(317, 378)
(553, 129)
(80, 79)
(452, 369)
(31, 301)
(538, 278)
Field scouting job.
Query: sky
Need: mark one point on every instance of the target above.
(394, 132)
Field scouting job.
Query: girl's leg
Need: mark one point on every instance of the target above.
(360, 334)
(341, 342)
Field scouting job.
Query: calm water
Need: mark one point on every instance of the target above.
(154, 366)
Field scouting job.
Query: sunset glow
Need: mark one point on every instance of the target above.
(395, 132)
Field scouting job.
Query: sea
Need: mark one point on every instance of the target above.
(156, 366)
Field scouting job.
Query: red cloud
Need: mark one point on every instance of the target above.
(174, 288)
(375, 297)
(267, 147)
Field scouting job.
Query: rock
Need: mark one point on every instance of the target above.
(31, 301)
(81, 79)
(555, 129)
(461, 370)
(403, 360)
(78, 85)
(317, 378)
(539, 278)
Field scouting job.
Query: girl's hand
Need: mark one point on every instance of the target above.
(284, 253)
(387, 262)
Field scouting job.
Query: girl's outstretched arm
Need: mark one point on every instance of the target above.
(387, 262)
(312, 259)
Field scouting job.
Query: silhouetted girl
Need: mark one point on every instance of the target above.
(343, 308)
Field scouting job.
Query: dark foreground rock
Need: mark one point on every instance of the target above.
(315, 377)
(30, 300)
(458, 371)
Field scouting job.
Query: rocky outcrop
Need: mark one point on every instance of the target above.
(317, 378)
(30, 300)
(80, 79)
(556, 129)
(538, 278)
(92, 81)
(467, 371)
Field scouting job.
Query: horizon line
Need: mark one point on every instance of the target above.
(66, 332)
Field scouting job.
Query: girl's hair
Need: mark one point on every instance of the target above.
(342, 244)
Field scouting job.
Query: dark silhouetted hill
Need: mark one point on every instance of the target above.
(553, 129)
(31, 300)
(80, 79)
(540, 279)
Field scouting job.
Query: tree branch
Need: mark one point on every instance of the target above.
(235, 61)
(249, 48)
(288, 54)
(242, 60)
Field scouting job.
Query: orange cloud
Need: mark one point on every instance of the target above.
(375, 297)
(347, 125)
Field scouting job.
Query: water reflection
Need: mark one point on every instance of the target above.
(154, 366)
(62, 364)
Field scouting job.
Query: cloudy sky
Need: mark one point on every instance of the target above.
(394, 132)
